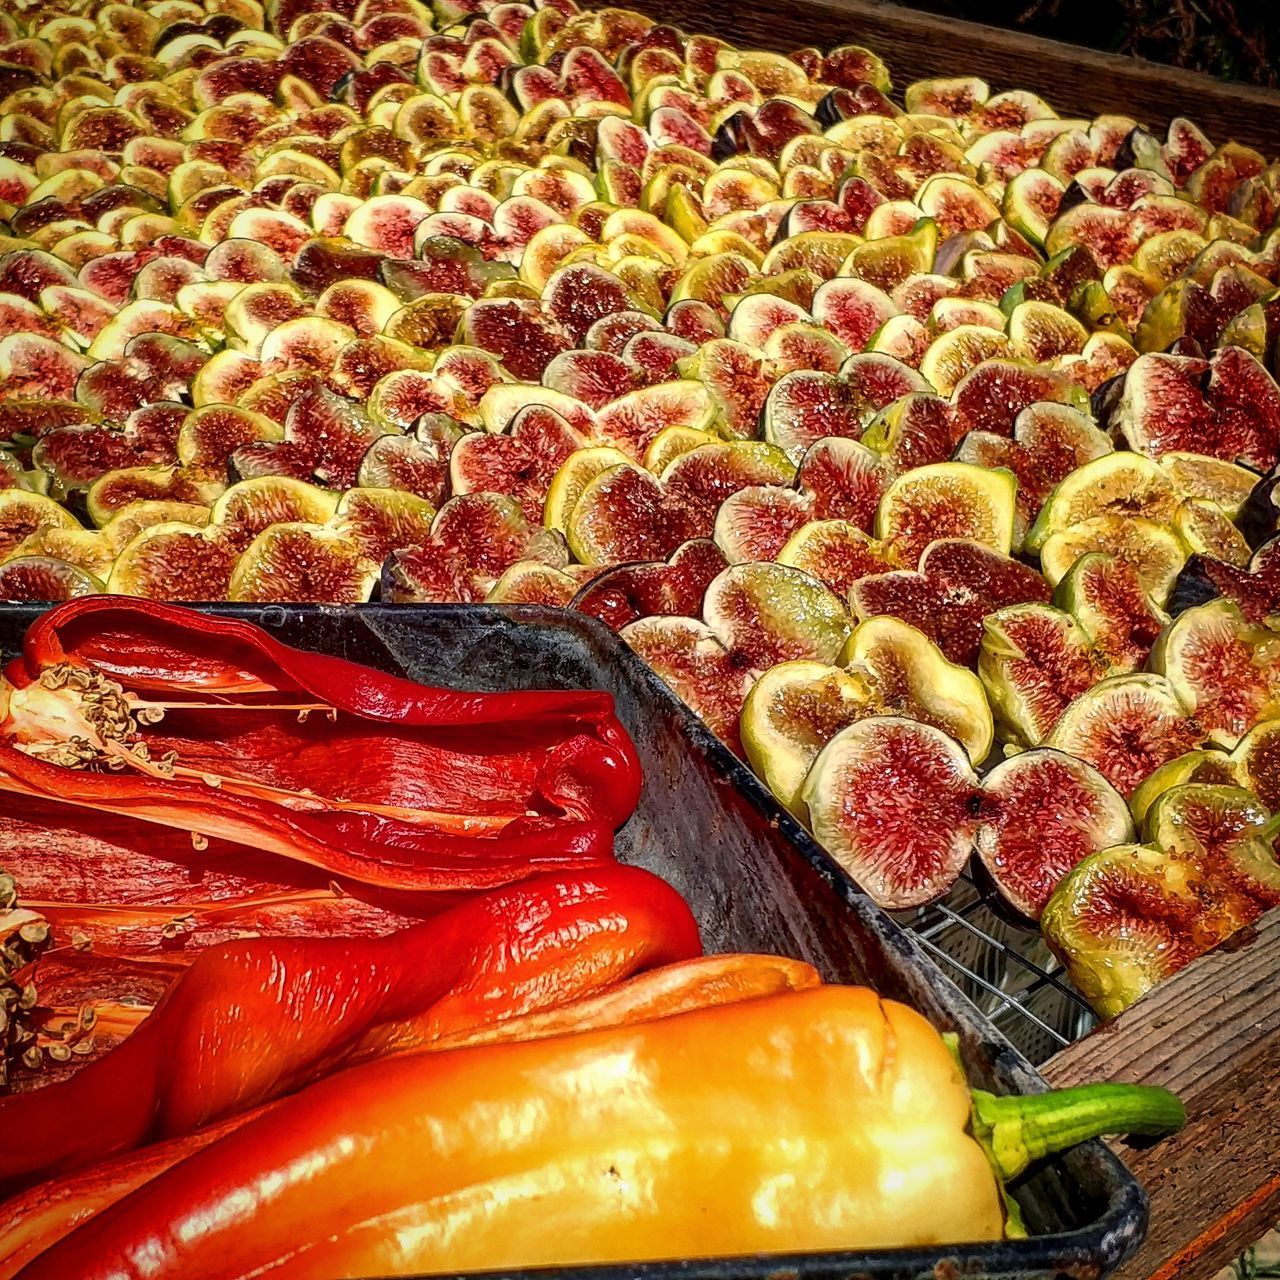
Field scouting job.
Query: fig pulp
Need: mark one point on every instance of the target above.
(893, 802)
(1225, 670)
(1123, 920)
(957, 584)
(1043, 812)
(1126, 727)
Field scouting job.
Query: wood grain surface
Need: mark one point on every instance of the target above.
(918, 45)
(1212, 1034)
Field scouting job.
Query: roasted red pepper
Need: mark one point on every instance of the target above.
(36, 1219)
(365, 775)
(252, 1020)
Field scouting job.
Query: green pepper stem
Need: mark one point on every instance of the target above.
(1019, 1130)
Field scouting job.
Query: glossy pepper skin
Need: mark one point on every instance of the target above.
(381, 780)
(34, 1220)
(252, 1020)
(821, 1119)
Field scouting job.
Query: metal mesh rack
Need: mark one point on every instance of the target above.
(1004, 968)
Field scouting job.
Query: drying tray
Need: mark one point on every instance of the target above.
(756, 881)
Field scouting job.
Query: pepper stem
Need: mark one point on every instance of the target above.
(1019, 1130)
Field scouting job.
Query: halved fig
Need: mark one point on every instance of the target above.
(653, 588)
(991, 395)
(1207, 823)
(673, 442)
(1227, 407)
(1205, 529)
(475, 539)
(380, 521)
(631, 422)
(1033, 662)
(1226, 835)
(250, 507)
(326, 430)
(737, 379)
(23, 513)
(845, 480)
(805, 346)
(833, 551)
(1122, 921)
(211, 434)
(700, 479)
(957, 584)
(688, 657)
(500, 402)
(1224, 669)
(516, 330)
(952, 355)
(947, 500)
(791, 713)
(852, 310)
(892, 801)
(1043, 812)
(1207, 765)
(521, 463)
(1256, 761)
(32, 366)
(1107, 599)
(415, 464)
(1154, 551)
(527, 582)
(907, 674)
(34, 579)
(1195, 475)
(624, 513)
(1255, 589)
(174, 561)
(807, 405)
(594, 377)
(302, 562)
(1127, 727)
(755, 523)
(768, 613)
(911, 432)
(572, 478)
(1125, 484)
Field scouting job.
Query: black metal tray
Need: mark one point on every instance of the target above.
(756, 880)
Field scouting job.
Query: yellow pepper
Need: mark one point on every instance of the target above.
(819, 1119)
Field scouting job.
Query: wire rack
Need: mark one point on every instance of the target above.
(1004, 968)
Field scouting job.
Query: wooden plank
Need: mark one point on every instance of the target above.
(1212, 1034)
(917, 45)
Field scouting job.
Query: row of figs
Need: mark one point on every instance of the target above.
(927, 447)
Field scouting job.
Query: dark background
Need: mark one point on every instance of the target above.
(1231, 39)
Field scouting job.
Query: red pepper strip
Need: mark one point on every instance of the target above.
(36, 1219)
(256, 1019)
(368, 848)
(147, 646)
(182, 932)
(102, 950)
